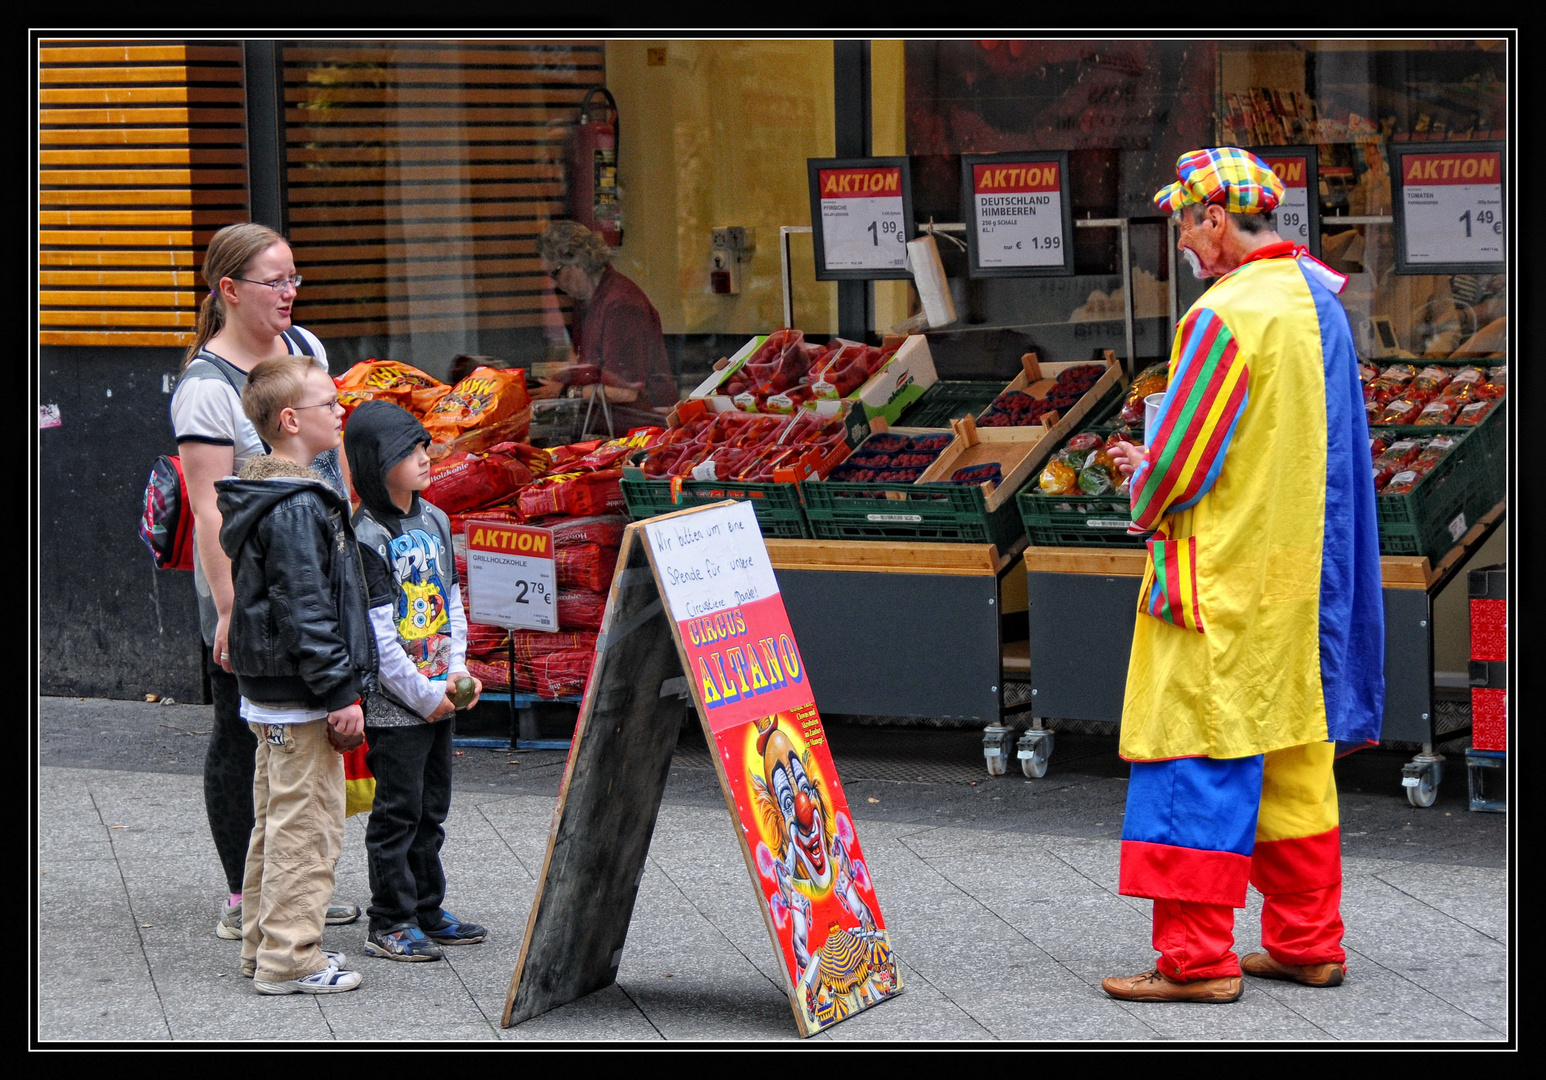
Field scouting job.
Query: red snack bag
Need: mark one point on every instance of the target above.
(528, 644)
(483, 639)
(580, 609)
(461, 482)
(492, 671)
(612, 452)
(584, 566)
(486, 398)
(388, 380)
(572, 493)
(605, 531)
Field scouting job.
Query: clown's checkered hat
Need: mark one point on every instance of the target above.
(1235, 179)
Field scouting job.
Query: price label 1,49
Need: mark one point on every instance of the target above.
(510, 576)
(863, 226)
(1019, 214)
(1451, 207)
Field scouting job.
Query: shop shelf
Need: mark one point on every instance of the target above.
(777, 506)
(947, 401)
(1075, 521)
(923, 512)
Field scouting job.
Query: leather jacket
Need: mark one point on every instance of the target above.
(300, 622)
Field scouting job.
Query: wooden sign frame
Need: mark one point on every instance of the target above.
(615, 778)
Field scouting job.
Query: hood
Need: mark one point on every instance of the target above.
(264, 480)
(377, 436)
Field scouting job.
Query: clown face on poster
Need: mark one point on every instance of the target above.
(798, 837)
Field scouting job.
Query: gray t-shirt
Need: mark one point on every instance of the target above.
(207, 408)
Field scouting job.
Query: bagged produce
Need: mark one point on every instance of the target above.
(460, 481)
(573, 493)
(584, 566)
(1474, 412)
(580, 609)
(487, 399)
(389, 380)
(1153, 379)
(1437, 413)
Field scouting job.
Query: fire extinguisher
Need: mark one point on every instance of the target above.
(593, 170)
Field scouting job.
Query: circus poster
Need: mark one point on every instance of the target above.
(797, 835)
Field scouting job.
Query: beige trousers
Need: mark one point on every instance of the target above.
(297, 835)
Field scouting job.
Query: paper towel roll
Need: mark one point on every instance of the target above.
(929, 276)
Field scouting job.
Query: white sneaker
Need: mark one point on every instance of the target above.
(230, 925)
(330, 980)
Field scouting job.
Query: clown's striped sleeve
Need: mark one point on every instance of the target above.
(1207, 394)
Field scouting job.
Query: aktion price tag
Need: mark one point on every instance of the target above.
(510, 578)
(863, 222)
(1294, 210)
(1019, 214)
(1452, 208)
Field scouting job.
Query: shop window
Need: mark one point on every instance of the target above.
(419, 175)
(142, 157)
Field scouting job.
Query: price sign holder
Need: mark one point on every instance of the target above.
(510, 576)
(1018, 213)
(1299, 214)
(861, 217)
(1447, 201)
(694, 592)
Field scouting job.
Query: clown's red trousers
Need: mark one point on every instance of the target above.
(1198, 830)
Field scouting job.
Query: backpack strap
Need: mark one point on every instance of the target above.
(298, 344)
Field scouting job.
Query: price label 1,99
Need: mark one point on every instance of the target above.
(860, 210)
(1450, 210)
(510, 576)
(1018, 219)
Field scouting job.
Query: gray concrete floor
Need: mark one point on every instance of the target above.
(1000, 897)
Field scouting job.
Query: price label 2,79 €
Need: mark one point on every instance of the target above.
(510, 576)
(1451, 210)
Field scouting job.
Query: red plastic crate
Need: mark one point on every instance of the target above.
(1489, 719)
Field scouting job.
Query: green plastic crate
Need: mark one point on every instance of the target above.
(777, 506)
(1432, 517)
(1075, 521)
(941, 513)
(947, 401)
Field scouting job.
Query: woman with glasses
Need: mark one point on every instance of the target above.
(245, 319)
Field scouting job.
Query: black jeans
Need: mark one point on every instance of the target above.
(412, 767)
(228, 767)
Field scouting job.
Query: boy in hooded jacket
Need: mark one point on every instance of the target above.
(303, 653)
(421, 638)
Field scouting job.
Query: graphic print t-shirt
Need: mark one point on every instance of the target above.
(425, 577)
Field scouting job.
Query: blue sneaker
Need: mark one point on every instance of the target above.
(409, 944)
(455, 932)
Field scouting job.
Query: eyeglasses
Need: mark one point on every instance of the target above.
(328, 404)
(294, 281)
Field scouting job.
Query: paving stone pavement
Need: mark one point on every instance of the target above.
(1002, 934)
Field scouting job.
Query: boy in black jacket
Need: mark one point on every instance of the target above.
(421, 639)
(303, 653)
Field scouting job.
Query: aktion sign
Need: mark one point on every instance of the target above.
(860, 212)
(1017, 207)
(1297, 217)
(510, 576)
(1449, 209)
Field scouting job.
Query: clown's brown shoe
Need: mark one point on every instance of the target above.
(1263, 966)
(1155, 985)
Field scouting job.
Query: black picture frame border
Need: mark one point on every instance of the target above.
(813, 167)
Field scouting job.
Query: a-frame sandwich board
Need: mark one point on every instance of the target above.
(694, 592)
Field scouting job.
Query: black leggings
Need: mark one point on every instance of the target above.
(228, 767)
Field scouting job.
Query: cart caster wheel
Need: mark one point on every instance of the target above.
(1034, 749)
(996, 740)
(1421, 777)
